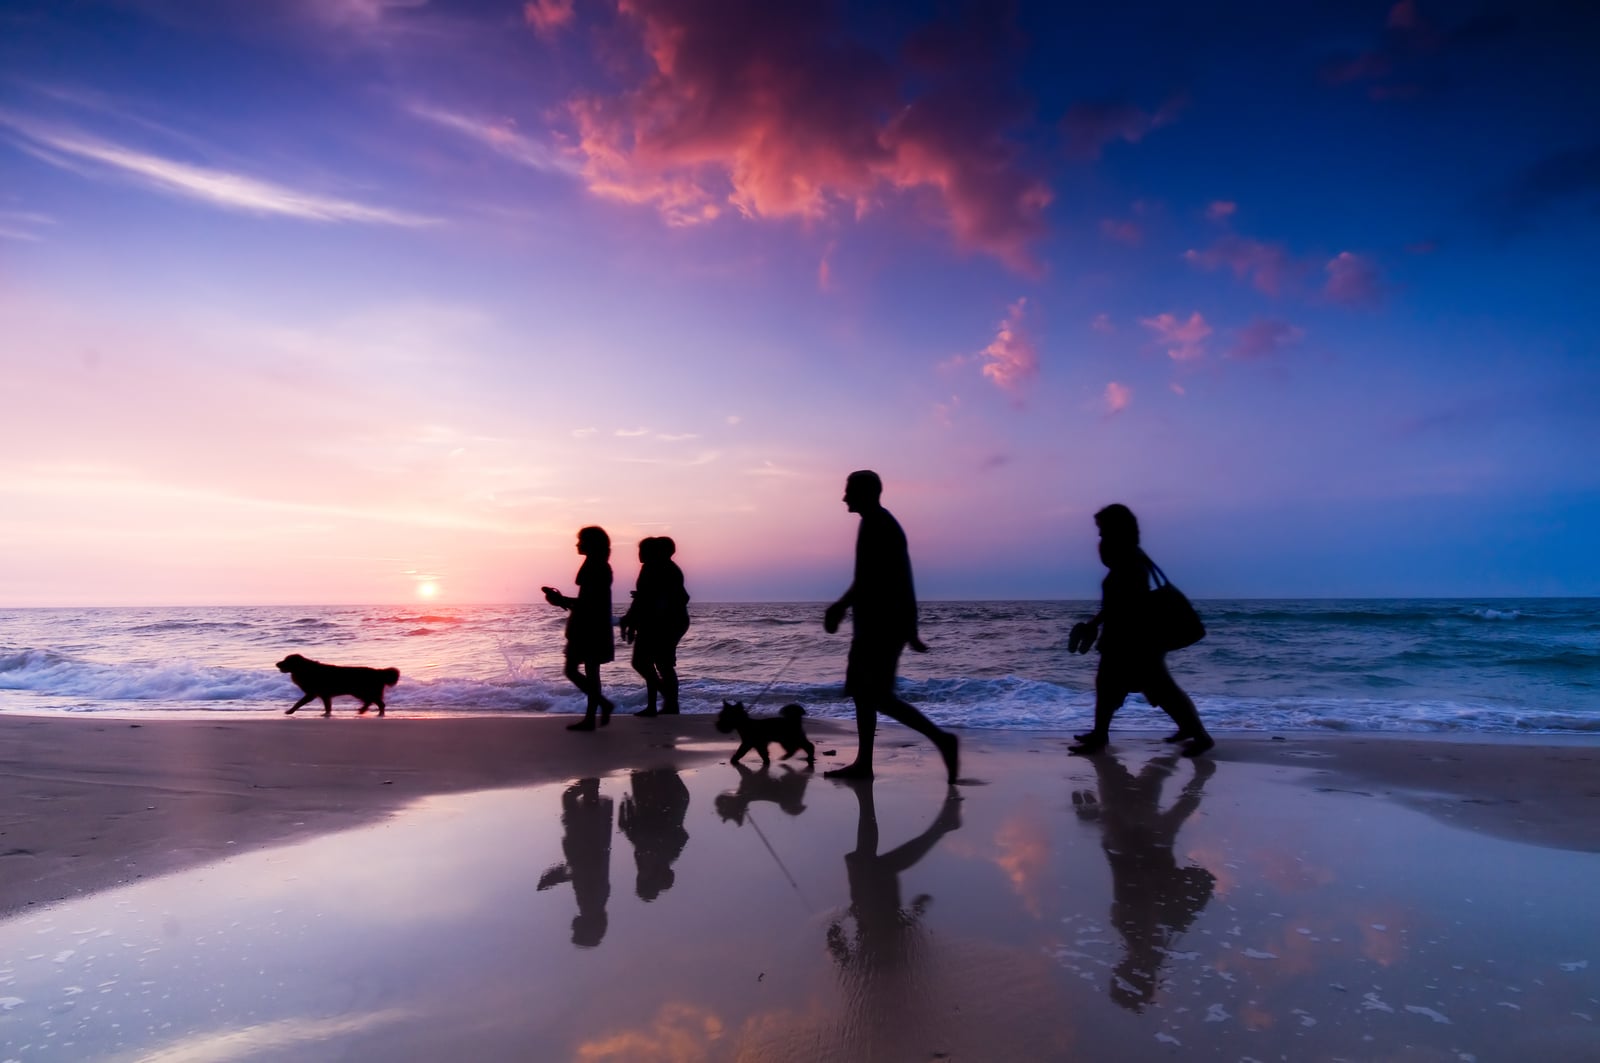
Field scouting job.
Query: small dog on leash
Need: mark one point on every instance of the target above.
(758, 734)
(329, 681)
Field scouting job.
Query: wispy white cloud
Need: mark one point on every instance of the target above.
(502, 138)
(22, 224)
(218, 188)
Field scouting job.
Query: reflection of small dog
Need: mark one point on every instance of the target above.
(755, 734)
(329, 681)
(786, 789)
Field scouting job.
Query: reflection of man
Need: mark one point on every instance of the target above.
(1153, 900)
(883, 602)
(883, 925)
(586, 843)
(652, 818)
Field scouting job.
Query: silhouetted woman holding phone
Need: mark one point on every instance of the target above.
(589, 639)
(1131, 658)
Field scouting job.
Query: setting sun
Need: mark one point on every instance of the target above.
(429, 589)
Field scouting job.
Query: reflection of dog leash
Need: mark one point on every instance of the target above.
(778, 860)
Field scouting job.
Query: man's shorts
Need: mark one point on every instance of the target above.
(1146, 674)
(871, 668)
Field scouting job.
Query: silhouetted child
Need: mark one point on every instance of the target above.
(656, 622)
(1131, 661)
(589, 639)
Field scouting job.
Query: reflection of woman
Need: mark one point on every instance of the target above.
(1153, 900)
(1130, 660)
(586, 844)
(656, 622)
(589, 639)
(652, 818)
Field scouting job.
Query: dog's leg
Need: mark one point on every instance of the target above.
(766, 760)
(811, 751)
(299, 704)
(744, 747)
(327, 707)
(380, 706)
(362, 711)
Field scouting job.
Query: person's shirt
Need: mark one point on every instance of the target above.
(883, 599)
(594, 593)
(1122, 599)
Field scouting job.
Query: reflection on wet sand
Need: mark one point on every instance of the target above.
(652, 819)
(880, 963)
(586, 843)
(785, 788)
(1153, 901)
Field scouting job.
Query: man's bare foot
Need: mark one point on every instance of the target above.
(650, 711)
(1198, 745)
(853, 770)
(607, 707)
(1180, 735)
(581, 725)
(1093, 742)
(950, 749)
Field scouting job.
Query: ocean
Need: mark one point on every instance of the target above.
(1495, 666)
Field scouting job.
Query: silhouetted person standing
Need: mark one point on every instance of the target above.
(656, 622)
(589, 639)
(652, 818)
(883, 604)
(1153, 900)
(586, 843)
(1131, 661)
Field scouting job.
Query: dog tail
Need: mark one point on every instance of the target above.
(390, 676)
(791, 712)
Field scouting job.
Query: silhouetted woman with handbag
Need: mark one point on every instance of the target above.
(1133, 644)
(589, 638)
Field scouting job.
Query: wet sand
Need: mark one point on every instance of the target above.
(289, 889)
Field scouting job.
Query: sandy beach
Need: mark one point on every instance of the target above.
(1435, 885)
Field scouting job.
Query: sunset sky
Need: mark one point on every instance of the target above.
(321, 301)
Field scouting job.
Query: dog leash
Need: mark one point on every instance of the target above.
(778, 860)
(782, 668)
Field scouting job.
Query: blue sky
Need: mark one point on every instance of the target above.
(367, 300)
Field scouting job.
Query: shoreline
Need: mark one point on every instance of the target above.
(88, 804)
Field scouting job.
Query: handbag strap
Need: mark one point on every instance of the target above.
(1155, 570)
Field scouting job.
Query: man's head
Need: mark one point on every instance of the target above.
(862, 490)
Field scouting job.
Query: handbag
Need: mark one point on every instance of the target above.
(1173, 622)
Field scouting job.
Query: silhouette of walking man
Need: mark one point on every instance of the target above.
(883, 603)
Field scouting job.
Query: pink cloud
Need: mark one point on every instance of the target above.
(1089, 127)
(1102, 323)
(1123, 232)
(1184, 340)
(1013, 358)
(1268, 266)
(1352, 280)
(1117, 397)
(1265, 338)
(767, 109)
(547, 16)
(1221, 209)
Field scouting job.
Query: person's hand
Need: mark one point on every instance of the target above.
(1083, 636)
(833, 617)
(917, 644)
(551, 595)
